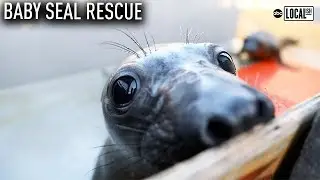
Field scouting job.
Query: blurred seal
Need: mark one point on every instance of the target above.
(262, 45)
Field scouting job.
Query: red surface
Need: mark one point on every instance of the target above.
(286, 87)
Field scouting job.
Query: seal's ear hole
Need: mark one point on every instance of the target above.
(226, 62)
(123, 90)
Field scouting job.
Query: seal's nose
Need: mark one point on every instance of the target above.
(224, 125)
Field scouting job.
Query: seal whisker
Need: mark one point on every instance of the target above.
(145, 37)
(111, 162)
(121, 46)
(129, 135)
(137, 43)
(199, 37)
(130, 128)
(181, 33)
(118, 48)
(127, 165)
(113, 151)
(146, 121)
(256, 80)
(154, 43)
(117, 150)
(195, 38)
(134, 40)
(187, 36)
(110, 145)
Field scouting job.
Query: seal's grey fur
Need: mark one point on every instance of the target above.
(185, 102)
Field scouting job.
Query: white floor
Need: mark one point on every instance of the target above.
(48, 130)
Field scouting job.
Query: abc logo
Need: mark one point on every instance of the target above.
(277, 13)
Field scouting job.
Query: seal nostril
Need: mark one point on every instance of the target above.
(265, 109)
(260, 108)
(219, 129)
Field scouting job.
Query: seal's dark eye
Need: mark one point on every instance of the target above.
(226, 63)
(123, 90)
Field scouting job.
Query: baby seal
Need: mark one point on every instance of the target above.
(168, 105)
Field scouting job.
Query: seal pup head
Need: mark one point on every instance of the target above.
(177, 101)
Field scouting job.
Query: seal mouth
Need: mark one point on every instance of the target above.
(158, 143)
(163, 153)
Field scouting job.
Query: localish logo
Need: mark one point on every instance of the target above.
(298, 13)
